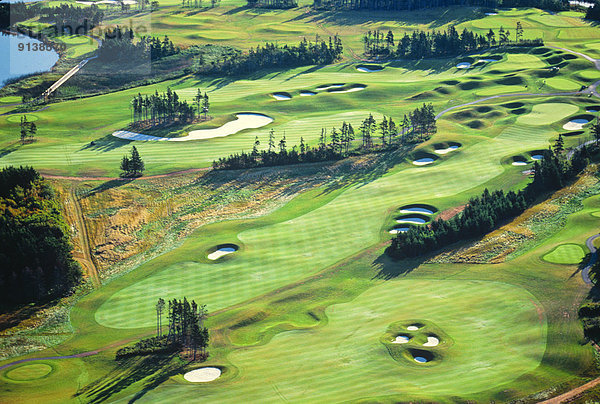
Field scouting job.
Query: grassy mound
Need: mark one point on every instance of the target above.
(565, 254)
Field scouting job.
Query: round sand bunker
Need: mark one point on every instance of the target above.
(432, 341)
(281, 96)
(401, 339)
(203, 375)
(463, 65)
(221, 251)
(576, 124)
(412, 328)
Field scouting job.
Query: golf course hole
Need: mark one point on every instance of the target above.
(445, 148)
(418, 208)
(401, 339)
(203, 375)
(281, 96)
(330, 86)
(29, 372)
(413, 219)
(432, 340)
(421, 355)
(567, 254)
(369, 68)
(307, 93)
(351, 89)
(463, 65)
(222, 250)
(17, 118)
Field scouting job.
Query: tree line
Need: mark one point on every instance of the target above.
(35, 250)
(272, 55)
(185, 331)
(336, 144)
(484, 213)
(421, 44)
(162, 109)
(593, 12)
(27, 130)
(273, 4)
(392, 5)
(118, 44)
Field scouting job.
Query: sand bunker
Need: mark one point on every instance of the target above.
(366, 69)
(417, 210)
(281, 96)
(221, 252)
(412, 328)
(423, 161)
(327, 87)
(447, 150)
(519, 163)
(537, 157)
(486, 60)
(593, 110)
(243, 121)
(420, 359)
(307, 93)
(432, 341)
(491, 14)
(401, 339)
(203, 375)
(575, 124)
(397, 230)
(349, 90)
(413, 220)
(463, 65)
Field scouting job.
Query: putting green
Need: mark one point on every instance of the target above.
(563, 84)
(17, 118)
(547, 113)
(565, 254)
(29, 372)
(482, 318)
(268, 261)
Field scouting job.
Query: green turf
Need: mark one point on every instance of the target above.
(29, 372)
(565, 254)
(547, 113)
(480, 317)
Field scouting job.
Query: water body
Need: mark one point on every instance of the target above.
(26, 61)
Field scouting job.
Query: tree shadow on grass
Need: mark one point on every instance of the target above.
(156, 369)
(105, 186)
(352, 173)
(584, 262)
(105, 144)
(387, 268)
(10, 149)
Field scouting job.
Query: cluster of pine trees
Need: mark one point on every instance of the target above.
(554, 5)
(118, 45)
(421, 44)
(593, 12)
(161, 109)
(272, 55)
(336, 144)
(132, 165)
(27, 130)
(69, 20)
(484, 213)
(186, 331)
(35, 251)
(273, 4)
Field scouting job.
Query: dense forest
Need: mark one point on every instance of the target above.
(417, 126)
(486, 212)
(35, 251)
(593, 13)
(64, 18)
(553, 5)
(185, 331)
(272, 55)
(421, 44)
(118, 45)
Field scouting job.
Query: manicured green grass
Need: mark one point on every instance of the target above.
(547, 113)
(481, 318)
(29, 372)
(565, 254)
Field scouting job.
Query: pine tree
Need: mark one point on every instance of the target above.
(559, 145)
(160, 305)
(136, 163)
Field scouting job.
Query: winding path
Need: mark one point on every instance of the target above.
(585, 273)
